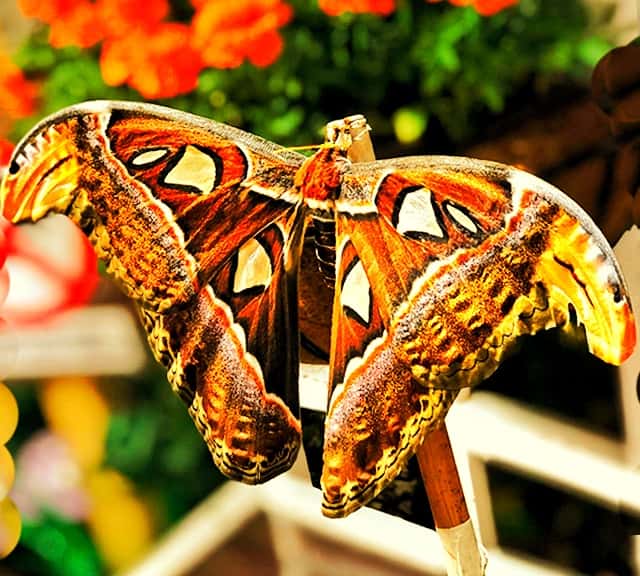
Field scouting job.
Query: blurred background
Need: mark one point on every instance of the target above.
(110, 474)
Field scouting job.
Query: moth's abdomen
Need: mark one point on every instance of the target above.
(323, 233)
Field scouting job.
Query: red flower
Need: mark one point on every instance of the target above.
(47, 277)
(85, 22)
(158, 62)
(227, 33)
(490, 7)
(17, 94)
(48, 11)
(483, 7)
(139, 48)
(6, 148)
(337, 7)
(163, 59)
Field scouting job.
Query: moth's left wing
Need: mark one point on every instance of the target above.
(442, 263)
(201, 225)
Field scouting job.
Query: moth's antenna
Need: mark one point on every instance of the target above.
(306, 147)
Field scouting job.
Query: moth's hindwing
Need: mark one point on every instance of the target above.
(378, 413)
(233, 355)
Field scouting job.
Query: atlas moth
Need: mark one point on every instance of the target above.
(440, 264)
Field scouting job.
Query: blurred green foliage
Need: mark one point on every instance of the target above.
(444, 64)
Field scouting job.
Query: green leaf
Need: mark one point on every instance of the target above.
(591, 49)
(131, 440)
(63, 548)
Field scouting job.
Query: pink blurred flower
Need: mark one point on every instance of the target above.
(52, 268)
(48, 478)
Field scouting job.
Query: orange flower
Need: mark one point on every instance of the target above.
(490, 7)
(158, 62)
(72, 22)
(84, 22)
(227, 33)
(47, 11)
(337, 7)
(483, 7)
(141, 50)
(120, 16)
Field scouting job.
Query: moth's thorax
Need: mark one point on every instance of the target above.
(320, 177)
